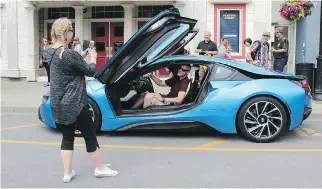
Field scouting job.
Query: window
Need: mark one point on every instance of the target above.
(151, 11)
(100, 46)
(230, 21)
(108, 12)
(221, 73)
(229, 27)
(100, 31)
(55, 13)
(118, 31)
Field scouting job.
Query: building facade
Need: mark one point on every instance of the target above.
(111, 23)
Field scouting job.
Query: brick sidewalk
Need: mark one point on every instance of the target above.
(25, 96)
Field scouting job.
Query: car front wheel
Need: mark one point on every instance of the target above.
(96, 117)
(262, 119)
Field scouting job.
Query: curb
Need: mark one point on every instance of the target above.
(19, 109)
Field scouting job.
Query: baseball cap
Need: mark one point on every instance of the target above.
(266, 34)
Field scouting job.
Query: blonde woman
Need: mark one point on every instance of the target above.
(69, 101)
(223, 46)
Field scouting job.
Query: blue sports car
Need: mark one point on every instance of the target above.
(232, 97)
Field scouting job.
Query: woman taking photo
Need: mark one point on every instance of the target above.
(69, 101)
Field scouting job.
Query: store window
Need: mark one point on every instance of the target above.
(108, 12)
(67, 12)
(151, 11)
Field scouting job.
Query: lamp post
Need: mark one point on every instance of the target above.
(318, 80)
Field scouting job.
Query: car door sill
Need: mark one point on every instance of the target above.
(157, 110)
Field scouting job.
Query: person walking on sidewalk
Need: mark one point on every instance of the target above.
(69, 101)
(45, 58)
(280, 50)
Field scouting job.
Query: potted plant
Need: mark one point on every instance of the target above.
(294, 10)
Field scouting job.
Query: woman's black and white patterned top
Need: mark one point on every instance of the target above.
(67, 84)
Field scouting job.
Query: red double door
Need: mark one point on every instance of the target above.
(108, 36)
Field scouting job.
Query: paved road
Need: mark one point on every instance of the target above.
(31, 158)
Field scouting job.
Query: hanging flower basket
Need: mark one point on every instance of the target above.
(294, 10)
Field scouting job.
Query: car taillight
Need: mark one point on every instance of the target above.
(305, 85)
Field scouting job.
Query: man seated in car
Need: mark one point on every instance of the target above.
(178, 84)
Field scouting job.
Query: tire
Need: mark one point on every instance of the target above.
(96, 116)
(266, 126)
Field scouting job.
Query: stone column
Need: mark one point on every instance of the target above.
(181, 6)
(12, 39)
(79, 15)
(33, 46)
(128, 21)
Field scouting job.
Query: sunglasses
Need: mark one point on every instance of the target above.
(184, 70)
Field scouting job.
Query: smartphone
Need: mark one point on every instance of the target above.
(91, 44)
(85, 44)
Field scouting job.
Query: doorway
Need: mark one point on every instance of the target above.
(108, 37)
(290, 66)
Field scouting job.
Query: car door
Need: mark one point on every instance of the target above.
(154, 40)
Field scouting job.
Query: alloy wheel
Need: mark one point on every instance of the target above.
(263, 120)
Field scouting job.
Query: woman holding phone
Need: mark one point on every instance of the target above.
(69, 101)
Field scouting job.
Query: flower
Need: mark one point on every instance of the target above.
(294, 10)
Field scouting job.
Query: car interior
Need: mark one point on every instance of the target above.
(125, 94)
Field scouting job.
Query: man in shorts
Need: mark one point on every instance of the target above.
(178, 84)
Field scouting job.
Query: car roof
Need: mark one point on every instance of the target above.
(231, 63)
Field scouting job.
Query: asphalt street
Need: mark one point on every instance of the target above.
(30, 158)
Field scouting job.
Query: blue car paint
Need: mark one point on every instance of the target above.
(46, 114)
(96, 91)
(232, 94)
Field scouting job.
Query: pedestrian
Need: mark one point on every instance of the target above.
(77, 45)
(44, 59)
(248, 43)
(208, 48)
(228, 52)
(69, 101)
(259, 51)
(223, 46)
(280, 50)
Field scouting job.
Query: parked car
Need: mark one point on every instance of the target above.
(232, 97)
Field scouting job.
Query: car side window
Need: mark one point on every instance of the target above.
(221, 73)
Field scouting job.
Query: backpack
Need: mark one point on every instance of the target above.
(258, 48)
